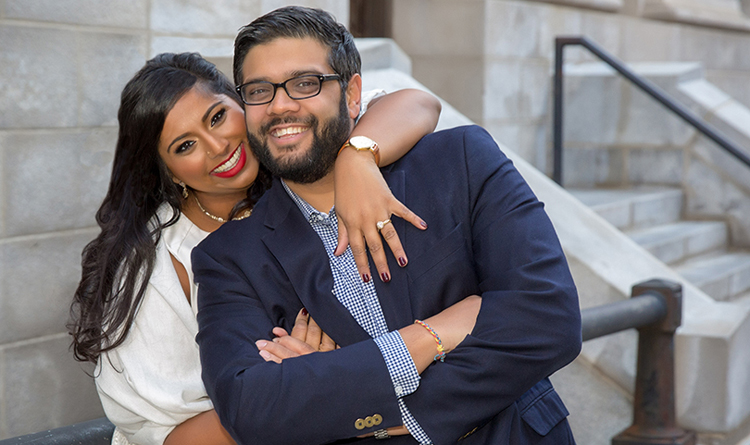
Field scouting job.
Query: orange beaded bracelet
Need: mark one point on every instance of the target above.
(441, 350)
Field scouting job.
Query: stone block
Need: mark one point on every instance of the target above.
(100, 85)
(458, 80)
(536, 90)
(638, 37)
(503, 89)
(655, 166)
(559, 21)
(339, 8)
(199, 18)
(38, 276)
(714, 13)
(591, 105)
(715, 49)
(379, 53)
(604, 5)
(43, 387)
(589, 167)
(734, 83)
(39, 86)
(54, 180)
(207, 47)
(604, 29)
(512, 29)
(431, 27)
(598, 409)
(130, 14)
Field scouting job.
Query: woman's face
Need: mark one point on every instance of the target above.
(204, 144)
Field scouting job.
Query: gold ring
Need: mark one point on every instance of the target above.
(382, 224)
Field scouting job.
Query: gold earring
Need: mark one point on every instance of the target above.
(184, 190)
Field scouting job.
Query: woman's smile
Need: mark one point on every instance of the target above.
(233, 165)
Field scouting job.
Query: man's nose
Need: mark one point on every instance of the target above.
(282, 103)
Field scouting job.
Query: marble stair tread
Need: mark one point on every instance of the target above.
(633, 208)
(724, 277)
(676, 242)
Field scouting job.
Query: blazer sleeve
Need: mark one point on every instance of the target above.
(529, 322)
(312, 399)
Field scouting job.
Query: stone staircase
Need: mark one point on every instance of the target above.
(700, 251)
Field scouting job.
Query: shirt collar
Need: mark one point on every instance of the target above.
(309, 212)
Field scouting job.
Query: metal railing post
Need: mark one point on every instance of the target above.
(654, 420)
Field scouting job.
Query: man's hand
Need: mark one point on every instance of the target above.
(306, 338)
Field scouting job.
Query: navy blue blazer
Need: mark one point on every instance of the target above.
(487, 235)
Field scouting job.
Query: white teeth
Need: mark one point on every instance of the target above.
(230, 163)
(285, 131)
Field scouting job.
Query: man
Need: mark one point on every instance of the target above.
(488, 236)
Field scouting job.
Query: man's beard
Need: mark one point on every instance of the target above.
(319, 159)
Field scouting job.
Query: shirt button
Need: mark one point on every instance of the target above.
(399, 390)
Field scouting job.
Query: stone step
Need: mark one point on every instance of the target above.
(676, 242)
(635, 208)
(724, 277)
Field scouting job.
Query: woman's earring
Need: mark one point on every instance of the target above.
(184, 190)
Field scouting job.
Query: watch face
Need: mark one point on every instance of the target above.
(361, 142)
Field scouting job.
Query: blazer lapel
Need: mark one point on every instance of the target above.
(301, 253)
(394, 296)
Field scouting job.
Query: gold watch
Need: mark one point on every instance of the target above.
(361, 143)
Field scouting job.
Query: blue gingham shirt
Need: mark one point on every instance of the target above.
(361, 300)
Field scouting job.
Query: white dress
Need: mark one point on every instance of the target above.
(152, 382)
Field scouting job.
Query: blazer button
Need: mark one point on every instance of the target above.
(377, 419)
(359, 424)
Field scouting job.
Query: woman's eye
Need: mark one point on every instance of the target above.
(184, 147)
(218, 116)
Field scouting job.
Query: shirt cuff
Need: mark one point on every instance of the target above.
(401, 367)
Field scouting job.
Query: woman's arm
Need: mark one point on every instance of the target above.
(203, 429)
(396, 122)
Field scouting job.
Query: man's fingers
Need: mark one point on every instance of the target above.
(327, 343)
(299, 331)
(314, 334)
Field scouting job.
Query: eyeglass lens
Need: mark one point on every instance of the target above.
(297, 88)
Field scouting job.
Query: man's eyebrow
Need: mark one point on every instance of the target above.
(291, 75)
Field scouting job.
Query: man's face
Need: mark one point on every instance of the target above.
(298, 139)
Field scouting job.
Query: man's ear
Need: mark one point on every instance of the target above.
(354, 95)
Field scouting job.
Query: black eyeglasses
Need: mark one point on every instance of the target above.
(297, 88)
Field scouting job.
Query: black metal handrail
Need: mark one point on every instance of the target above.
(655, 309)
(654, 91)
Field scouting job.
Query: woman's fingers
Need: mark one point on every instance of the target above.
(299, 331)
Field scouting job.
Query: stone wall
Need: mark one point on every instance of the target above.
(63, 64)
(493, 59)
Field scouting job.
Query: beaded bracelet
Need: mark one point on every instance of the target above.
(441, 350)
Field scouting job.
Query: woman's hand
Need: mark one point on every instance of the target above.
(362, 200)
(306, 338)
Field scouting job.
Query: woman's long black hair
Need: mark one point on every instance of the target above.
(118, 263)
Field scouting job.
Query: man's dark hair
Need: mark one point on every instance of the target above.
(300, 22)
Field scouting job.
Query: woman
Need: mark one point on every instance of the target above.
(172, 184)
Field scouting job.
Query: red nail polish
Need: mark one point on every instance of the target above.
(401, 261)
(304, 312)
(385, 277)
(366, 277)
